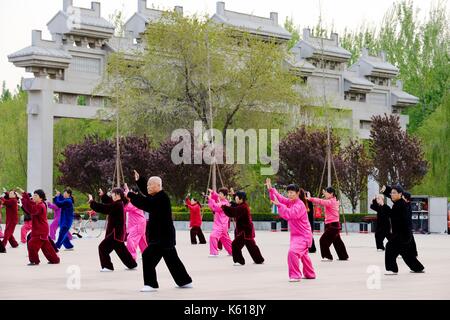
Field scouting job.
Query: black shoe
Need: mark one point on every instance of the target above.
(32, 264)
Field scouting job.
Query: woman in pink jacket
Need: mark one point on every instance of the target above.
(220, 224)
(135, 228)
(332, 226)
(293, 210)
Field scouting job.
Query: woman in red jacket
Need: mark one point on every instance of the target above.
(40, 229)
(12, 218)
(195, 222)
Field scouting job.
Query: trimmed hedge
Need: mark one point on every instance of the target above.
(184, 216)
(180, 213)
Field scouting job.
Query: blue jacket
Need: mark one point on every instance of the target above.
(66, 205)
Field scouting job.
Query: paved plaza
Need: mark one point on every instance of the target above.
(362, 277)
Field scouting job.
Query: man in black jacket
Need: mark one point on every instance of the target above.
(407, 198)
(161, 233)
(383, 229)
(400, 242)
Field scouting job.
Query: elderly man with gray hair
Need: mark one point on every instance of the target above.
(160, 233)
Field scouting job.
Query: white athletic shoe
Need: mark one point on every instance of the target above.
(148, 289)
(186, 286)
(106, 270)
(390, 273)
(326, 260)
(380, 250)
(423, 271)
(294, 280)
(213, 255)
(237, 264)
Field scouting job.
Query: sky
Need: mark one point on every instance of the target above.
(19, 17)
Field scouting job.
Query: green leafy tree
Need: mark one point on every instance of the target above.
(294, 30)
(13, 140)
(356, 167)
(6, 94)
(166, 86)
(435, 134)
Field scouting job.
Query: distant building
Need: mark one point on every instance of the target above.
(72, 64)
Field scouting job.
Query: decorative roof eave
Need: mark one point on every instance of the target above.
(357, 84)
(262, 26)
(403, 99)
(256, 31)
(318, 48)
(377, 65)
(331, 56)
(301, 67)
(383, 73)
(40, 61)
(353, 87)
(42, 53)
(81, 22)
(139, 20)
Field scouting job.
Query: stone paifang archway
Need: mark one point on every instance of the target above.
(72, 64)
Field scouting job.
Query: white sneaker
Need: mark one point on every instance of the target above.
(106, 270)
(294, 280)
(213, 255)
(390, 273)
(186, 286)
(237, 264)
(423, 271)
(380, 250)
(326, 260)
(148, 289)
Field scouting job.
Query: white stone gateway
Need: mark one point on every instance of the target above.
(69, 67)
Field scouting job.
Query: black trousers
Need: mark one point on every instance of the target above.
(150, 259)
(312, 249)
(2, 247)
(414, 247)
(238, 243)
(394, 248)
(197, 232)
(108, 245)
(380, 235)
(331, 236)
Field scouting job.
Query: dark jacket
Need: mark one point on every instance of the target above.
(244, 223)
(383, 220)
(401, 218)
(160, 229)
(66, 205)
(116, 217)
